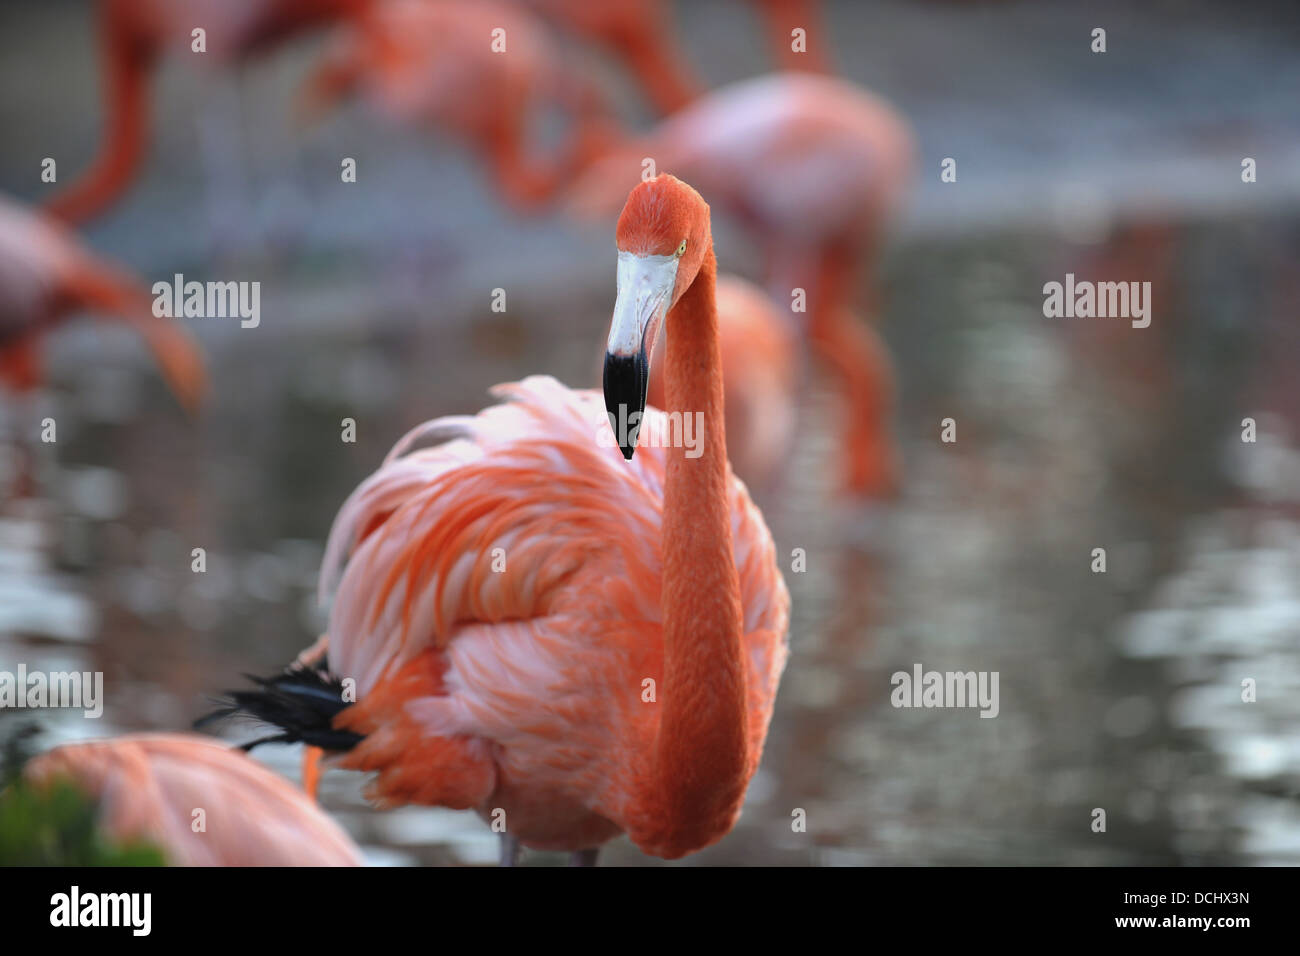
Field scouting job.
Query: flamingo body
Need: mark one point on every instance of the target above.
(522, 689)
(842, 157)
(573, 632)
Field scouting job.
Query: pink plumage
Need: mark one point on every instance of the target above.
(498, 598)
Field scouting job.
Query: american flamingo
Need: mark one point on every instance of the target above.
(134, 35)
(815, 168)
(47, 275)
(576, 641)
(760, 374)
(148, 787)
(432, 62)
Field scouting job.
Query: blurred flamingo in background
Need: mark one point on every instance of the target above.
(575, 640)
(133, 37)
(148, 787)
(432, 62)
(47, 276)
(815, 168)
(760, 376)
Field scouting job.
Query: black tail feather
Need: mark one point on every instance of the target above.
(301, 702)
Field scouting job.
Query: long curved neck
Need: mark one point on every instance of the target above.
(701, 749)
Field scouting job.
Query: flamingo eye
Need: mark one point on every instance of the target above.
(681, 250)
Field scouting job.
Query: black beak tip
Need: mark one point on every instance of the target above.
(626, 380)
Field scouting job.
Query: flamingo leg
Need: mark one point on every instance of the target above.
(584, 857)
(509, 850)
(855, 354)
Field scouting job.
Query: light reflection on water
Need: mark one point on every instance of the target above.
(1120, 691)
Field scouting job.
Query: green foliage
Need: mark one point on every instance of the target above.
(55, 825)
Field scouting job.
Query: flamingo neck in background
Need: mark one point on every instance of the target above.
(126, 128)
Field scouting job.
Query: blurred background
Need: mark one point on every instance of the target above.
(1119, 690)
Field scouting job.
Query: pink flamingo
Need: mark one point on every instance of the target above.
(148, 788)
(815, 168)
(573, 640)
(425, 62)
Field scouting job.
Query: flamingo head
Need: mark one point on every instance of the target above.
(663, 238)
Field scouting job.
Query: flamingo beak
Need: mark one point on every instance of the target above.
(645, 288)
